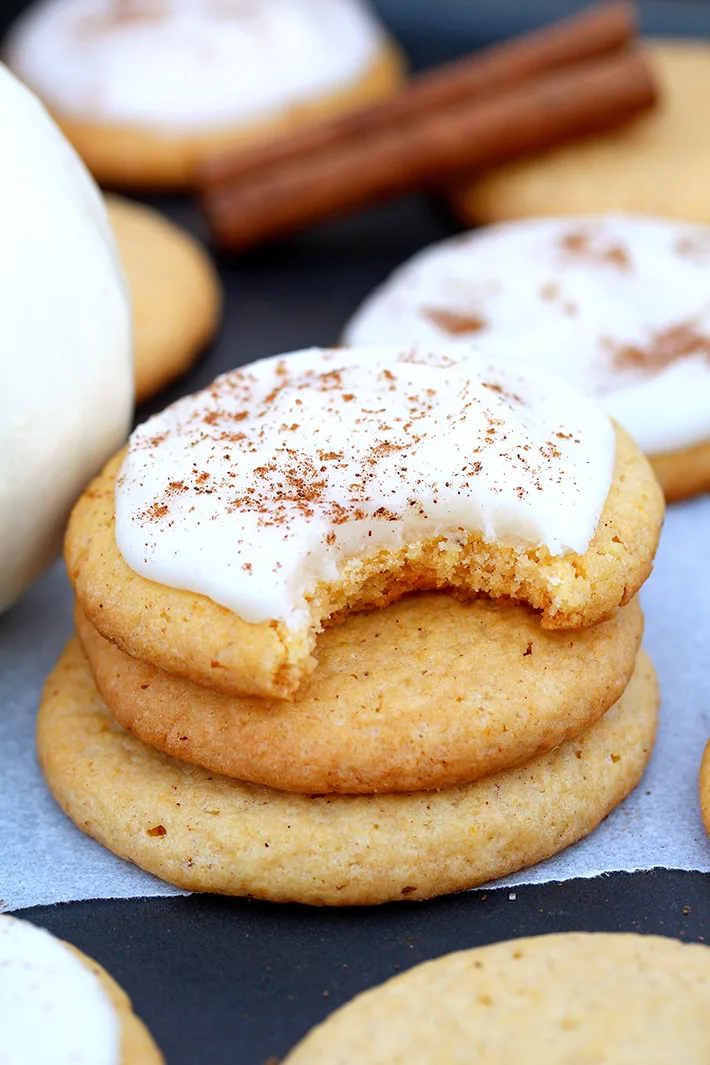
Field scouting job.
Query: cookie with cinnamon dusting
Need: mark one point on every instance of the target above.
(616, 304)
(193, 636)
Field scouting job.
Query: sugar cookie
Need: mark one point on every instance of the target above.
(148, 89)
(58, 1005)
(658, 164)
(282, 499)
(206, 832)
(428, 693)
(617, 305)
(175, 293)
(547, 1000)
(704, 784)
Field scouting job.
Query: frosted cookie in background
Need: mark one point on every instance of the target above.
(58, 1006)
(618, 305)
(176, 294)
(146, 89)
(66, 362)
(658, 164)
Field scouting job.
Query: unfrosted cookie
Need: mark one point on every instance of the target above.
(206, 832)
(58, 1006)
(617, 305)
(148, 89)
(659, 164)
(292, 492)
(428, 693)
(564, 999)
(175, 293)
(704, 785)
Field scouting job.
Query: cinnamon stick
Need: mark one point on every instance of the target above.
(595, 31)
(430, 150)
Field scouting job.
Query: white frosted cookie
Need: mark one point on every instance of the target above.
(58, 1006)
(301, 488)
(617, 305)
(566, 999)
(147, 88)
(66, 364)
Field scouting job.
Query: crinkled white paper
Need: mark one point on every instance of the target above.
(45, 859)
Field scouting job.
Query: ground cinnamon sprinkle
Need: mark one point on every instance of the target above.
(580, 244)
(294, 479)
(665, 347)
(454, 323)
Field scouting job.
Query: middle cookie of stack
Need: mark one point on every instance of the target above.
(441, 585)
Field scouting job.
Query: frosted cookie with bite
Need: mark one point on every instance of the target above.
(244, 519)
(617, 305)
(57, 1005)
(146, 90)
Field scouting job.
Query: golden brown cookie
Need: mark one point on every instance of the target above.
(659, 164)
(559, 999)
(128, 157)
(205, 832)
(428, 693)
(175, 293)
(683, 473)
(190, 635)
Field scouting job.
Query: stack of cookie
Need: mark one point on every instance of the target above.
(356, 626)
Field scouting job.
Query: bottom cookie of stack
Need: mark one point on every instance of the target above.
(206, 832)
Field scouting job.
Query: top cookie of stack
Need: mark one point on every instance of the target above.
(305, 487)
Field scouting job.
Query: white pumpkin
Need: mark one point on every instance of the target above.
(66, 366)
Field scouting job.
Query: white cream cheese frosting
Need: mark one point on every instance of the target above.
(66, 365)
(53, 1010)
(187, 65)
(617, 305)
(257, 489)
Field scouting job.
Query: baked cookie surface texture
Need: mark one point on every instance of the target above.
(550, 1000)
(616, 305)
(175, 293)
(397, 703)
(289, 494)
(58, 1006)
(146, 90)
(659, 164)
(205, 832)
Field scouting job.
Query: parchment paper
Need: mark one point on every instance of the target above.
(45, 859)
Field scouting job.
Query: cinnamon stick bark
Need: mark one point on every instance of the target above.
(430, 150)
(595, 31)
